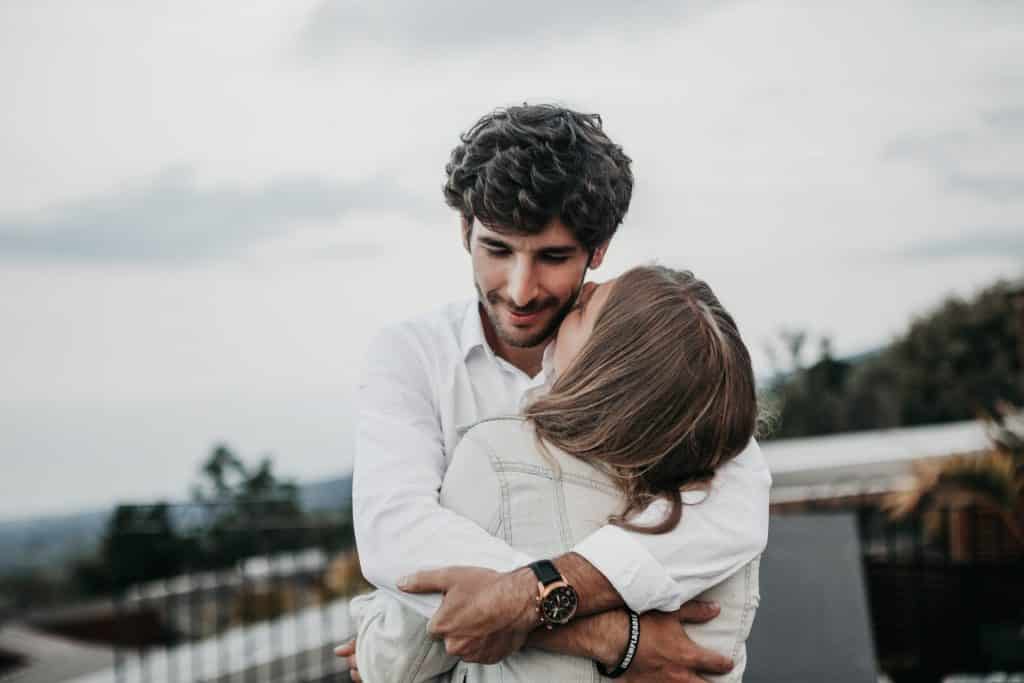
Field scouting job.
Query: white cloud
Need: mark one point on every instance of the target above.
(450, 26)
(791, 156)
(171, 219)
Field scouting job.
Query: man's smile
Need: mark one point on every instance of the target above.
(528, 315)
(524, 316)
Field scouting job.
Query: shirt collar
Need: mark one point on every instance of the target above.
(472, 333)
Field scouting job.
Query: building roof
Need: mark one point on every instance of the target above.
(50, 658)
(863, 462)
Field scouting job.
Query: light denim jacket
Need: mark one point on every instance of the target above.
(500, 479)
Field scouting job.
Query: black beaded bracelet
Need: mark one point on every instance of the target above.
(627, 659)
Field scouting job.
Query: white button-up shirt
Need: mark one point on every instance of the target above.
(424, 381)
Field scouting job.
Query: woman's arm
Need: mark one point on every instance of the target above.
(392, 644)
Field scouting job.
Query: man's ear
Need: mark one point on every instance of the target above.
(467, 231)
(597, 258)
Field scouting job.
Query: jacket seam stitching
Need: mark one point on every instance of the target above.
(425, 646)
(505, 518)
(563, 514)
(539, 471)
(746, 608)
(748, 600)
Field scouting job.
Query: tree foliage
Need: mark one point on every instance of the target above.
(954, 363)
(237, 512)
(251, 512)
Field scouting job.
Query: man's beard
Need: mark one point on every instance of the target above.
(492, 301)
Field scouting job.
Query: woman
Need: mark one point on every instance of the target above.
(653, 392)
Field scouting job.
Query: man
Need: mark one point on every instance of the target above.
(540, 191)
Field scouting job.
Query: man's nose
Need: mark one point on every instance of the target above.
(522, 283)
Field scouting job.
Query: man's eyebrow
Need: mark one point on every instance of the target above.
(493, 242)
(553, 250)
(559, 250)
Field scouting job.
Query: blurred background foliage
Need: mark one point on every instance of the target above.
(237, 511)
(956, 362)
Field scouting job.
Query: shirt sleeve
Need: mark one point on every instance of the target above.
(715, 537)
(400, 526)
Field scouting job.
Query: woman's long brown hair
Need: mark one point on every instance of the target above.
(660, 395)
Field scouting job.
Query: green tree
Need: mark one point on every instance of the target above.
(959, 361)
(140, 544)
(242, 512)
(251, 511)
(954, 363)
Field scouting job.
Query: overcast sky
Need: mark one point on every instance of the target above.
(208, 209)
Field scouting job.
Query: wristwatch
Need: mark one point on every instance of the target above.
(557, 601)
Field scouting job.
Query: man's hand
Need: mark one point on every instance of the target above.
(666, 654)
(485, 615)
(348, 652)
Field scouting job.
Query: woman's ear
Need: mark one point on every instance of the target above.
(597, 258)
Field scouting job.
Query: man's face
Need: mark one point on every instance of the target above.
(527, 283)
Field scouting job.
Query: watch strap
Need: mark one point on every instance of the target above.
(545, 572)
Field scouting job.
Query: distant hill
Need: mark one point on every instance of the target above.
(328, 495)
(47, 542)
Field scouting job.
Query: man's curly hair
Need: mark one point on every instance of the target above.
(519, 168)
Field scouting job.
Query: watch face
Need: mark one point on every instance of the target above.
(560, 605)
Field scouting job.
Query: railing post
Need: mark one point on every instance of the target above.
(117, 600)
(171, 660)
(962, 541)
(179, 599)
(326, 657)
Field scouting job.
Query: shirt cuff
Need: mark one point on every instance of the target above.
(640, 579)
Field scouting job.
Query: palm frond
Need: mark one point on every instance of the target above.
(904, 503)
(1006, 431)
(991, 476)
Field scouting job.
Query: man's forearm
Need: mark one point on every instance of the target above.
(595, 592)
(601, 627)
(487, 615)
(601, 637)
